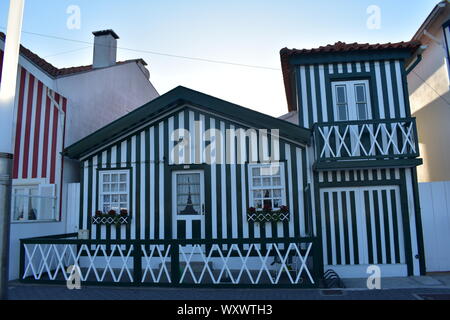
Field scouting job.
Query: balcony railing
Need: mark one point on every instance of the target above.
(368, 139)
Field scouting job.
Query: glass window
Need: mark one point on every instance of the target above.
(32, 203)
(114, 190)
(188, 193)
(267, 186)
(351, 100)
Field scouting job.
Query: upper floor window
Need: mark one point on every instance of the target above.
(351, 100)
(267, 188)
(33, 203)
(114, 190)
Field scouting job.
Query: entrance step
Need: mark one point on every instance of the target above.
(196, 266)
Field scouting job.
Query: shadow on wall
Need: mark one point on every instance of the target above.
(433, 126)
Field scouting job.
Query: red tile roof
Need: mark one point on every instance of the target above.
(58, 72)
(338, 47)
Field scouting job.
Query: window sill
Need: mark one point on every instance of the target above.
(34, 221)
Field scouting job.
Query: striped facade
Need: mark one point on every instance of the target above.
(387, 81)
(39, 132)
(146, 153)
(366, 216)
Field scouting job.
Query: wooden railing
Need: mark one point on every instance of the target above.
(368, 139)
(290, 262)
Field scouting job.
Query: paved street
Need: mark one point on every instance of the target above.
(47, 292)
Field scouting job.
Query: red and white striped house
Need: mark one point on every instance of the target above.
(55, 107)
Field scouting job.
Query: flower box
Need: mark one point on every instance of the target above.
(111, 218)
(268, 215)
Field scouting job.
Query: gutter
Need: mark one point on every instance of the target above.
(418, 55)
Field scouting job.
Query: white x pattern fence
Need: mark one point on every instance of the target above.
(139, 262)
(366, 139)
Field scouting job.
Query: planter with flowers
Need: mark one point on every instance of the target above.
(267, 214)
(111, 217)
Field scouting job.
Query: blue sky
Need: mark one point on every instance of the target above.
(248, 32)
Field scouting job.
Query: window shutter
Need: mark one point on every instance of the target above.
(47, 202)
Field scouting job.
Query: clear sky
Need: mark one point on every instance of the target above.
(241, 31)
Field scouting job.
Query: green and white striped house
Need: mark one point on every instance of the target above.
(364, 153)
(193, 190)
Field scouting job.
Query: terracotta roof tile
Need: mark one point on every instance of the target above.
(58, 72)
(338, 47)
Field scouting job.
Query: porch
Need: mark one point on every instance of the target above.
(292, 262)
(386, 143)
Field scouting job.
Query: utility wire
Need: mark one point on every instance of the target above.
(65, 52)
(431, 87)
(159, 53)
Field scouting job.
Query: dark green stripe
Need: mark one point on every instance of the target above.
(345, 224)
(354, 227)
(219, 143)
(99, 165)
(148, 178)
(385, 91)
(157, 177)
(138, 186)
(395, 89)
(386, 227)
(129, 150)
(318, 94)
(89, 196)
(368, 227)
(295, 212)
(337, 235)
(167, 186)
(119, 165)
(328, 227)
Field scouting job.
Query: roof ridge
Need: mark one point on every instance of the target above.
(55, 72)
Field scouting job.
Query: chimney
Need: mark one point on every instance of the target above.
(105, 48)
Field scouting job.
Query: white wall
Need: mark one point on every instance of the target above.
(99, 97)
(435, 208)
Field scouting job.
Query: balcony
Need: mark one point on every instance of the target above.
(386, 143)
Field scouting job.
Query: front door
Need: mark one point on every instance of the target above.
(188, 204)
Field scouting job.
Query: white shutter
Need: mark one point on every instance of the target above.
(47, 202)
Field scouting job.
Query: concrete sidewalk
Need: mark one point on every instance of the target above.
(431, 280)
(430, 287)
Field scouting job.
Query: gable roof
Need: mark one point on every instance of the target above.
(173, 99)
(55, 72)
(337, 48)
(431, 18)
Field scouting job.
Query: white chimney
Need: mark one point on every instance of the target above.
(105, 48)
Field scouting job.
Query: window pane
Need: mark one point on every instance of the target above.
(266, 182)
(277, 193)
(114, 187)
(342, 112)
(257, 194)
(115, 177)
(266, 171)
(341, 97)
(123, 177)
(115, 198)
(276, 181)
(360, 93)
(106, 187)
(123, 198)
(19, 206)
(123, 187)
(107, 198)
(362, 111)
(267, 193)
(276, 203)
(106, 178)
(256, 182)
(255, 172)
(258, 204)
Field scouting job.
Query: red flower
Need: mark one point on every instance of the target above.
(251, 210)
(284, 209)
(98, 213)
(123, 212)
(112, 212)
(267, 208)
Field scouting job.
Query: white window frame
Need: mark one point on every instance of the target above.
(25, 216)
(101, 192)
(352, 109)
(252, 188)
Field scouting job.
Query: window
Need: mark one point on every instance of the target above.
(114, 190)
(446, 28)
(33, 203)
(267, 185)
(189, 195)
(351, 100)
